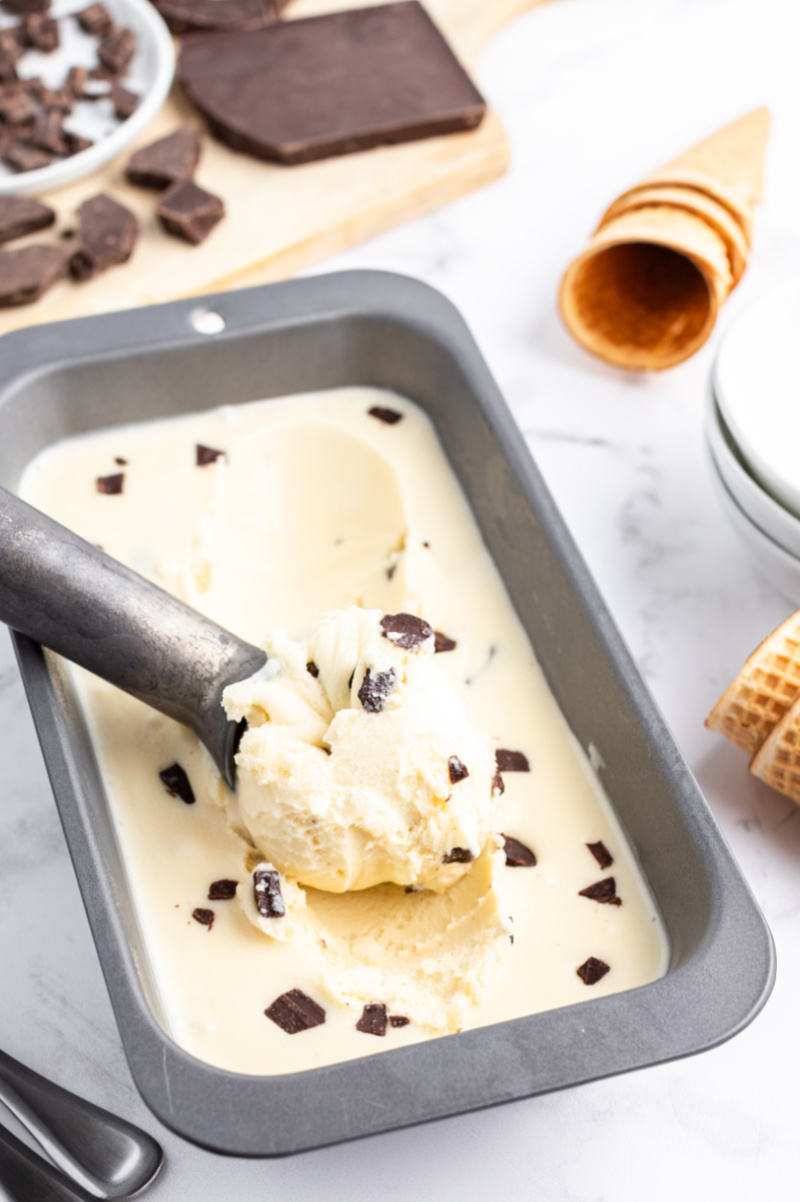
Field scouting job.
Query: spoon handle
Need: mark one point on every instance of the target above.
(27, 1177)
(73, 598)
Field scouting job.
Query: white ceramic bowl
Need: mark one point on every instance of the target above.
(151, 74)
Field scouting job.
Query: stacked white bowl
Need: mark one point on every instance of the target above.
(753, 435)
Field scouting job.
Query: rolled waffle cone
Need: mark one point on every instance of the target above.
(763, 693)
(777, 761)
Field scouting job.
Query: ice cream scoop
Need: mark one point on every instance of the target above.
(70, 596)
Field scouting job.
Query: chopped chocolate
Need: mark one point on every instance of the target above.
(108, 236)
(601, 854)
(26, 274)
(102, 74)
(96, 20)
(20, 215)
(295, 1011)
(8, 66)
(373, 1019)
(12, 41)
(21, 7)
(125, 103)
(61, 99)
(517, 854)
(399, 1020)
(511, 761)
(168, 160)
(604, 892)
(442, 642)
(26, 158)
(375, 689)
(204, 917)
(312, 669)
(592, 970)
(77, 78)
(48, 133)
(459, 855)
(120, 462)
(186, 16)
(380, 75)
(223, 890)
(117, 50)
(498, 784)
(111, 486)
(456, 770)
(267, 888)
(17, 105)
(406, 630)
(41, 33)
(76, 143)
(177, 783)
(206, 455)
(189, 212)
(389, 416)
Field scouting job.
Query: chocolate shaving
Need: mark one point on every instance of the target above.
(95, 20)
(511, 761)
(406, 630)
(108, 235)
(312, 669)
(222, 890)
(110, 486)
(26, 274)
(20, 215)
(204, 917)
(206, 455)
(373, 1019)
(189, 212)
(375, 689)
(517, 854)
(295, 1011)
(601, 854)
(267, 888)
(177, 783)
(167, 160)
(399, 1020)
(592, 970)
(459, 855)
(604, 892)
(390, 416)
(117, 50)
(442, 642)
(456, 770)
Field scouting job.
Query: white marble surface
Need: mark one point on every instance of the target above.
(594, 92)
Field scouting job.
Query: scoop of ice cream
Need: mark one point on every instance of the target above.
(359, 765)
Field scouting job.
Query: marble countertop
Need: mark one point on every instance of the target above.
(594, 94)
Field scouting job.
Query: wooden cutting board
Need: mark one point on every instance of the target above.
(282, 219)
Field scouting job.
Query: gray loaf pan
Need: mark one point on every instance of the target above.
(378, 329)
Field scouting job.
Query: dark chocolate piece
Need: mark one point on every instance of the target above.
(295, 1011)
(456, 770)
(125, 103)
(12, 42)
(76, 143)
(26, 274)
(168, 160)
(21, 7)
(189, 212)
(117, 50)
(204, 917)
(442, 642)
(399, 1020)
(307, 89)
(373, 1019)
(517, 854)
(108, 236)
(77, 78)
(223, 890)
(592, 970)
(601, 854)
(312, 669)
(96, 20)
(41, 33)
(112, 486)
(267, 888)
(187, 16)
(8, 67)
(17, 105)
(206, 455)
(26, 158)
(375, 689)
(406, 630)
(120, 462)
(390, 416)
(498, 784)
(48, 133)
(20, 215)
(61, 99)
(459, 855)
(604, 892)
(511, 761)
(177, 783)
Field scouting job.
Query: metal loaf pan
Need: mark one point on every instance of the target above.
(379, 329)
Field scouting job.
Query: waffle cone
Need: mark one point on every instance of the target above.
(777, 762)
(767, 687)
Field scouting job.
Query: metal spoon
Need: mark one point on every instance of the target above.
(105, 1155)
(73, 598)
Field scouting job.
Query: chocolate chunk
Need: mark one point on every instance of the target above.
(26, 158)
(77, 78)
(41, 32)
(186, 16)
(517, 854)
(269, 899)
(117, 50)
(399, 1020)
(375, 689)
(20, 215)
(601, 854)
(21, 7)
(295, 1011)
(204, 917)
(120, 462)
(76, 143)
(111, 486)
(168, 160)
(48, 133)
(459, 855)
(177, 782)
(108, 236)
(312, 669)
(498, 784)
(389, 416)
(125, 103)
(405, 630)
(604, 892)
(442, 642)
(8, 66)
(26, 274)
(189, 212)
(511, 761)
(17, 105)
(222, 890)
(373, 1019)
(96, 20)
(206, 455)
(456, 770)
(12, 42)
(60, 99)
(591, 971)
(307, 89)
